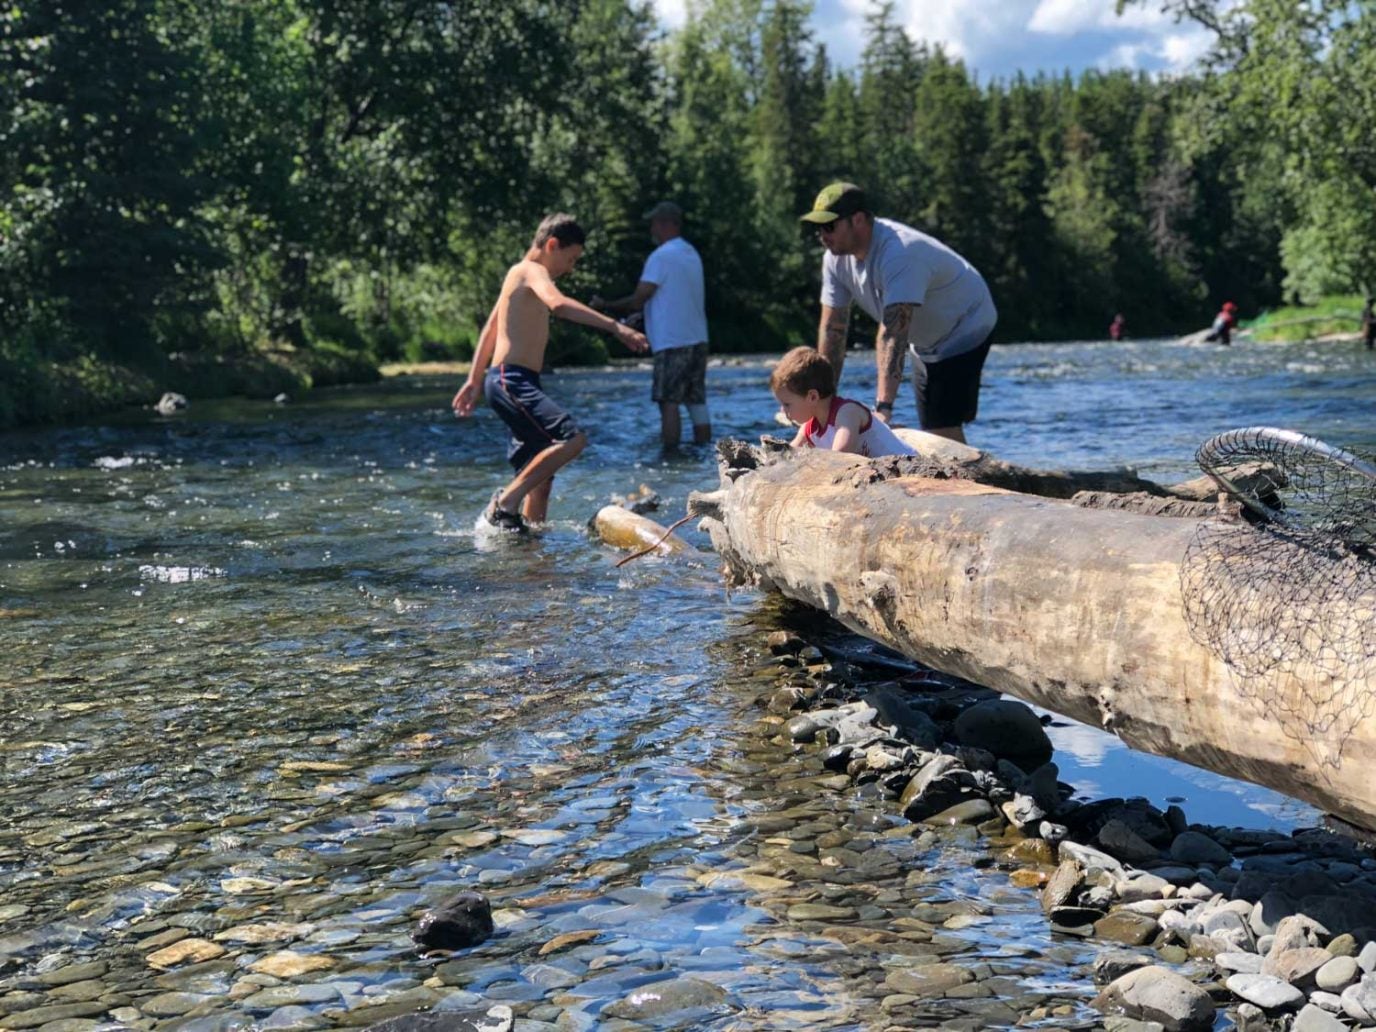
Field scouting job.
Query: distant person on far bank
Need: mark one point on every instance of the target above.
(506, 368)
(671, 294)
(1224, 324)
(926, 298)
(1118, 329)
(1369, 323)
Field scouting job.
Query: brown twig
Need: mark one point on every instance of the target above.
(651, 548)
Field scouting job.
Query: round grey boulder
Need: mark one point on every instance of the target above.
(1160, 995)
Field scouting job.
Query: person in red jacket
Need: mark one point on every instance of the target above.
(1224, 321)
(1118, 329)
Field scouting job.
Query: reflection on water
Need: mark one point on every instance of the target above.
(265, 693)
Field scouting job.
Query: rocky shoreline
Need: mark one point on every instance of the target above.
(1279, 929)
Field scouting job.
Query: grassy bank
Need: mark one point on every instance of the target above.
(34, 390)
(1338, 314)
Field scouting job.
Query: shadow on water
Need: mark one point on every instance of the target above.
(267, 699)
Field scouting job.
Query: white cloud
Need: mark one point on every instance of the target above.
(1068, 17)
(997, 37)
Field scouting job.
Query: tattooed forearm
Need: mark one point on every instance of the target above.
(891, 347)
(831, 337)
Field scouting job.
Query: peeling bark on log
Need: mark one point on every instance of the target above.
(1077, 610)
(1147, 505)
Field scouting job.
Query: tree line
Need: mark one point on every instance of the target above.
(188, 177)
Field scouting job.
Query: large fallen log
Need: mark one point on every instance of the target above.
(1101, 615)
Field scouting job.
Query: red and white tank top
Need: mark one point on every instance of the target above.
(876, 438)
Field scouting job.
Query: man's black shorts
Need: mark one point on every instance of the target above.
(536, 422)
(681, 375)
(948, 391)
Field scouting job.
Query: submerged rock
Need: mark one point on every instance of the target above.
(653, 1003)
(492, 1019)
(460, 922)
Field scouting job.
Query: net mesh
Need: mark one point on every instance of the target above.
(1287, 598)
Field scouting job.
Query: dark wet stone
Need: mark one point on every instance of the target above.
(937, 786)
(1309, 883)
(491, 1019)
(74, 973)
(1156, 994)
(1138, 814)
(791, 697)
(1074, 917)
(928, 980)
(1175, 819)
(1192, 847)
(1118, 839)
(906, 714)
(1126, 927)
(1269, 911)
(972, 811)
(1339, 913)
(783, 643)
(1063, 886)
(58, 1012)
(1111, 965)
(836, 757)
(462, 921)
(1006, 728)
(803, 728)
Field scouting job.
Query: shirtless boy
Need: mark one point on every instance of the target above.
(507, 363)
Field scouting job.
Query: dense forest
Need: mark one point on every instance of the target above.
(195, 192)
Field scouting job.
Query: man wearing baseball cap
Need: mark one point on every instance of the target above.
(670, 292)
(926, 298)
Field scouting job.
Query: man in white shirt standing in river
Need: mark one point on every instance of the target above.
(926, 298)
(670, 292)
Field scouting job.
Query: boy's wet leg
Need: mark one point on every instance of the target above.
(540, 469)
(535, 507)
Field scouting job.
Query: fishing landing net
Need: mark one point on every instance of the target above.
(1287, 595)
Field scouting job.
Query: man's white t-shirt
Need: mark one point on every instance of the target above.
(955, 312)
(675, 316)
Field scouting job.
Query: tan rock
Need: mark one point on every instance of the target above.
(561, 942)
(268, 931)
(185, 951)
(289, 964)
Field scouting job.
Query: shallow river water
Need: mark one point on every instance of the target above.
(267, 698)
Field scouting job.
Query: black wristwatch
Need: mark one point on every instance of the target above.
(883, 406)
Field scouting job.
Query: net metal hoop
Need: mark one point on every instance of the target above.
(1215, 453)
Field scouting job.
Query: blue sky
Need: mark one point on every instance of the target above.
(998, 37)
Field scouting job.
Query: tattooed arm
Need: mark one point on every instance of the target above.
(890, 348)
(831, 336)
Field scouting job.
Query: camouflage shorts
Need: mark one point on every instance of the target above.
(681, 375)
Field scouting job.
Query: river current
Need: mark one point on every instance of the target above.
(265, 690)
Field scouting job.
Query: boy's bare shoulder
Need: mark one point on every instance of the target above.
(522, 274)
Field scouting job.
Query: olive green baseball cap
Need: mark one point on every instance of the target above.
(836, 201)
